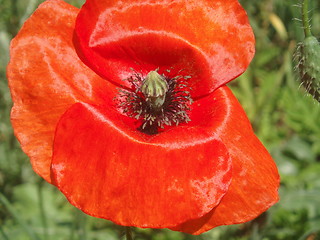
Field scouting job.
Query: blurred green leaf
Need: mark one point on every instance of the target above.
(285, 119)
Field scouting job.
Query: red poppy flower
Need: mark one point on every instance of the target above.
(123, 106)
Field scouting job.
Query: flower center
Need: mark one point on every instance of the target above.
(156, 101)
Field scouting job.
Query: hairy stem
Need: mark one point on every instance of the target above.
(129, 233)
(305, 18)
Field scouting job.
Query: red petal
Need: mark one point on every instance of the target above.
(255, 179)
(46, 77)
(211, 40)
(109, 170)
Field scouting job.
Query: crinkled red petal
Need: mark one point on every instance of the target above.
(211, 40)
(46, 77)
(255, 181)
(108, 169)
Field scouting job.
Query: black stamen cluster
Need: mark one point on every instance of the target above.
(173, 111)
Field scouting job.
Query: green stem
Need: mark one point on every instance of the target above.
(82, 225)
(129, 233)
(73, 226)
(305, 18)
(42, 210)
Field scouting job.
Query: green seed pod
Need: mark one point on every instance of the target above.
(308, 55)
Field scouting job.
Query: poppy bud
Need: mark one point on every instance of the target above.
(308, 53)
(154, 88)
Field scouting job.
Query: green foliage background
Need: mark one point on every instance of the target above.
(284, 117)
